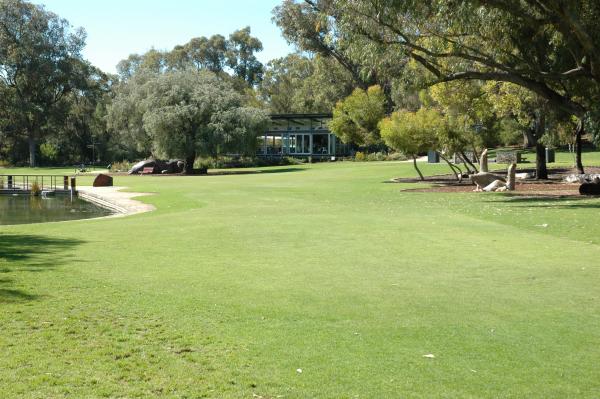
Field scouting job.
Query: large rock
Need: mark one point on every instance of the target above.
(484, 179)
(581, 178)
(496, 185)
(103, 181)
(589, 189)
(174, 166)
(157, 165)
(483, 161)
(138, 167)
(511, 177)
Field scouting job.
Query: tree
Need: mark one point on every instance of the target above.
(240, 56)
(299, 84)
(413, 133)
(185, 114)
(311, 29)
(550, 48)
(40, 63)
(356, 118)
(208, 53)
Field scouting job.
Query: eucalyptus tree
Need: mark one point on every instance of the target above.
(207, 53)
(241, 58)
(40, 63)
(312, 29)
(300, 84)
(550, 48)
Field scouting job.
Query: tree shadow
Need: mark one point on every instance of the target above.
(29, 253)
(551, 201)
(254, 172)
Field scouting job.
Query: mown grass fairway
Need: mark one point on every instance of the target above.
(236, 282)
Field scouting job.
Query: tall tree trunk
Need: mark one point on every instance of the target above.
(578, 134)
(528, 139)
(541, 170)
(188, 168)
(32, 160)
(417, 168)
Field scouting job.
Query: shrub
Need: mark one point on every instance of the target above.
(360, 156)
(36, 189)
(122, 166)
(396, 156)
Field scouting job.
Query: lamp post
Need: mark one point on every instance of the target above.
(93, 147)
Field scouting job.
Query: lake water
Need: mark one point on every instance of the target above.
(24, 209)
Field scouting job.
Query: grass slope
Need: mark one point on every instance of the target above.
(236, 282)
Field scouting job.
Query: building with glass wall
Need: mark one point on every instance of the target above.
(301, 135)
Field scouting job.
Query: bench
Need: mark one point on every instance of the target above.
(148, 170)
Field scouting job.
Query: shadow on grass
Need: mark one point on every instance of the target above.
(253, 172)
(29, 253)
(557, 202)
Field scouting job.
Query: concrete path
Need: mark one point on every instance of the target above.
(118, 201)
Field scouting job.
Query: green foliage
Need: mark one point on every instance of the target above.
(40, 63)
(240, 56)
(510, 132)
(185, 113)
(49, 151)
(413, 133)
(378, 156)
(299, 84)
(356, 118)
(122, 166)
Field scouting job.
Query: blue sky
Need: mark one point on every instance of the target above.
(117, 28)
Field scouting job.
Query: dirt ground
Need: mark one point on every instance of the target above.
(553, 187)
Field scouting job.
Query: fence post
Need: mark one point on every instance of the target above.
(73, 185)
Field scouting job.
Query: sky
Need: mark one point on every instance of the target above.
(117, 28)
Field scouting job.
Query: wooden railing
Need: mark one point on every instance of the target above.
(44, 182)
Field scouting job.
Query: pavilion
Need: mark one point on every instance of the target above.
(302, 136)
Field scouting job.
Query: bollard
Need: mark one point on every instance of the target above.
(73, 185)
(66, 183)
(10, 182)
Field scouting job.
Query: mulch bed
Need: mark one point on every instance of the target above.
(553, 187)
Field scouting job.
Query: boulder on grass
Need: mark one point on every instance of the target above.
(103, 180)
(484, 179)
(138, 167)
(589, 189)
(174, 166)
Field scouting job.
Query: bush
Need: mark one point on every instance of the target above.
(36, 189)
(376, 156)
(379, 156)
(360, 156)
(396, 156)
(49, 152)
(228, 162)
(122, 166)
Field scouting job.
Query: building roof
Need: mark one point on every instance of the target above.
(300, 116)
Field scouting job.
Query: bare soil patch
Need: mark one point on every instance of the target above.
(553, 187)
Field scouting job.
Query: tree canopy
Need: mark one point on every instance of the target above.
(183, 114)
(40, 64)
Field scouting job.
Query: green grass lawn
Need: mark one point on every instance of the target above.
(237, 282)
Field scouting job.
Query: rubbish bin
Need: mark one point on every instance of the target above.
(433, 157)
